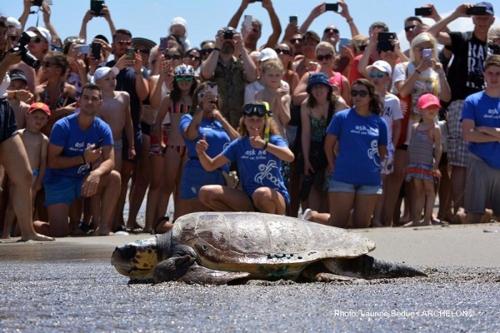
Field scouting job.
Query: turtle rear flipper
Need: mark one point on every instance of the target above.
(197, 274)
(367, 267)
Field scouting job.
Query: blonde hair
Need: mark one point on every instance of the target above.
(325, 45)
(271, 64)
(421, 38)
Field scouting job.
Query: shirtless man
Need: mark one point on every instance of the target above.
(18, 96)
(36, 144)
(115, 111)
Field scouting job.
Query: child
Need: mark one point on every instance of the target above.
(424, 156)
(36, 145)
(274, 94)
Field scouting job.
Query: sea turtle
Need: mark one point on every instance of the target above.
(219, 248)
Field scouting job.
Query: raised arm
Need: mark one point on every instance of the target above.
(47, 12)
(315, 12)
(83, 29)
(348, 18)
(275, 23)
(249, 68)
(208, 66)
(25, 14)
(233, 22)
(437, 29)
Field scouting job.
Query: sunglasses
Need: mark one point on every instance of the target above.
(322, 57)
(376, 75)
(50, 64)
(258, 110)
(283, 51)
(183, 78)
(331, 30)
(205, 51)
(145, 51)
(410, 28)
(296, 40)
(192, 57)
(360, 93)
(125, 42)
(172, 56)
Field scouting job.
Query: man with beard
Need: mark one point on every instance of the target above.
(229, 72)
(251, 30)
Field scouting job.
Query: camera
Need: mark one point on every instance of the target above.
(22, 50)
(423, 11)
(385, 41)
(494, 48)
(228, 33)
(476, 10)
(96, 7)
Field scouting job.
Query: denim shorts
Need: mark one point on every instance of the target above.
(337, 186)
(62, 190)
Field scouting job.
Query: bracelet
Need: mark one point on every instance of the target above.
(265, 146)
(349, 20)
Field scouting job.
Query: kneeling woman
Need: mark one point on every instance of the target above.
(258, 154)
(206, 123)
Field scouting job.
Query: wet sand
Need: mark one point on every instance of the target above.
(69, 285)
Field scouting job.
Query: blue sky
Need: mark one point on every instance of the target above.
(151, 18)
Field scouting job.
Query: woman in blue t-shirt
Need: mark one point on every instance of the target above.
(258, 154)
(206, 123)
(361, 136)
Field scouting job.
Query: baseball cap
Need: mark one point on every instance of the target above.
(39, 106)
(12, 21)
(44, 32)
(266, 54)
(184, 70)
(488, 5)
(382, 66)
(17, 74)
(427, 100)
(102, 72)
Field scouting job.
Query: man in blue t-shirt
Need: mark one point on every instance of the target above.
(80, 164)
(481, 128)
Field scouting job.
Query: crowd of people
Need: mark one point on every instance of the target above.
(339, 131)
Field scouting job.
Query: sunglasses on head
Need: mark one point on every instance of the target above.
(331, 30)
(282, 51)
(259, 110)
(376, 75)
(172, 56)
(410, 28)
(360, 93)
(183, 78)
(322, 57)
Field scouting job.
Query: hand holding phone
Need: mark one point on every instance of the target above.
(333, 7)
(384, 42)
(96, 7)
(131, 53)
(96, 50)
(423, 11)
(294, 20)
(476, 10)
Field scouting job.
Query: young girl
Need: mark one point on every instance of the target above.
(258, 153)
(425, 154)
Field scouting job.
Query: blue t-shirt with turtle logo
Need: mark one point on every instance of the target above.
(358, 160)
(257, 167)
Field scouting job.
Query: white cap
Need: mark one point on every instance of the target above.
(382, 66)
(44, 32)
(179, 21)
(104, 71)
(12, 21)
(267, 53)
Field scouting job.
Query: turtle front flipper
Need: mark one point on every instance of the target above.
(197, 274)
(367, 267)
(172, 268)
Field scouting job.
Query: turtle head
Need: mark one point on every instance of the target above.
(136, 260)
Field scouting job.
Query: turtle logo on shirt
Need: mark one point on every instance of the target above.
(266, 171)
(373, 152)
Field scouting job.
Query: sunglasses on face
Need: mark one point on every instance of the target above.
(360, 93)
(331, 31)
(205, 51)
(49, 64)
(410, 28)
(172, 56)
(125, 42)
(145, 51)
(297, 40)
(183, 78)
(258, 110)
(283, 51)
(322, 57)
(376, 75)
(192, 57)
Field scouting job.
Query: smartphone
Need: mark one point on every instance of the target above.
(247, 22)
(131, 53)
(384, 42)
(82, 49)
(37, 3)
(163, 43)
(476, 10)
(294, 20)
(423, 11)
(96, 7)
(96, 50)
(333, 7)
(427, 53)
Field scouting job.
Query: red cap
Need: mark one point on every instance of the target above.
(39, 106)
(427, 100)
